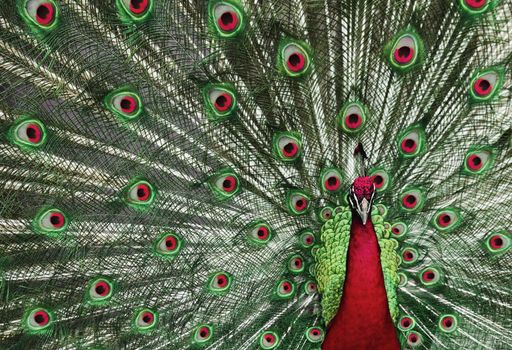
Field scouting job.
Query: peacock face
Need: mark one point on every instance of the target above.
(361, 196)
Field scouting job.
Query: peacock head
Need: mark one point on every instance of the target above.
(361, 196)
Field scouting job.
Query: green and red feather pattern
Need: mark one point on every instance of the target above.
(170, 169)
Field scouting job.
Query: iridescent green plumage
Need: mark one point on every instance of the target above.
(176, 142)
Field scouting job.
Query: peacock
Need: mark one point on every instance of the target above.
(265, 174)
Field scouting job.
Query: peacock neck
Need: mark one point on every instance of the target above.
(363, 320)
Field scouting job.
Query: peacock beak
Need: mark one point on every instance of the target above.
(363, 209)
(362, 206)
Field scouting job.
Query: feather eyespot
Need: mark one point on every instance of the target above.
(405, 51)
(99, 291)
(307, 239)
(125, 104)
(402, 279)
(477, 7)
(486, 84)
(139, 194)
(259, 232)
(430, 276)
(202, 334)
(287, 146)
(145, 320)
(269, 340)
(498, 242)
(51, 222)
(446, 220)
(295, 264)
(220, 101)
(411, 142)
(227, 18)
(220, 282)
(414, 339)
(406, 323)
(41, 13)
(326, 213)
(412, 199)
(298, 202)
(294, 58)
(285, 289)
(137, 7)
(399, 229)
(448, 323)
(28, 133)
(330, 180)
(310, 288)
(224, 184)
(352, 117)
(38, 320)
(134, 11)
(409, 256)
(478, 160)
(380, 178)
(383, 211)
(315, 334)
(168, 245)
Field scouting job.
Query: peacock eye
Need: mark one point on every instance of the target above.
(430, 276)
(269, 340)
(37, 320)
(298, 202)
(326, 213)
(448, 323)
(406, 323)
(168, 245)
(404, 51)
(220, 282)
(145, 320)
(446, 220)
(294, 59)
(402, 279)
(475, 7)
(498, 242)
(28, 132)
(411, 142)
(203, 334)
(228, 18)
(412, 199)
(124, 104)
(140, 194)
(414, 339)
(307, 239)
(295, 264)
(381, 179)
(352, 117)
(42, 13)
(315, 334)
(310, 288)
(287, 146)
(330, 180)
(137, 8)
(259, 232)
(285, 289)
(409, 255)
(51, 221)
(399, 229)
(486, 84)
(100, 290)
(224, 184)
(478, 161)
(383, 211)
